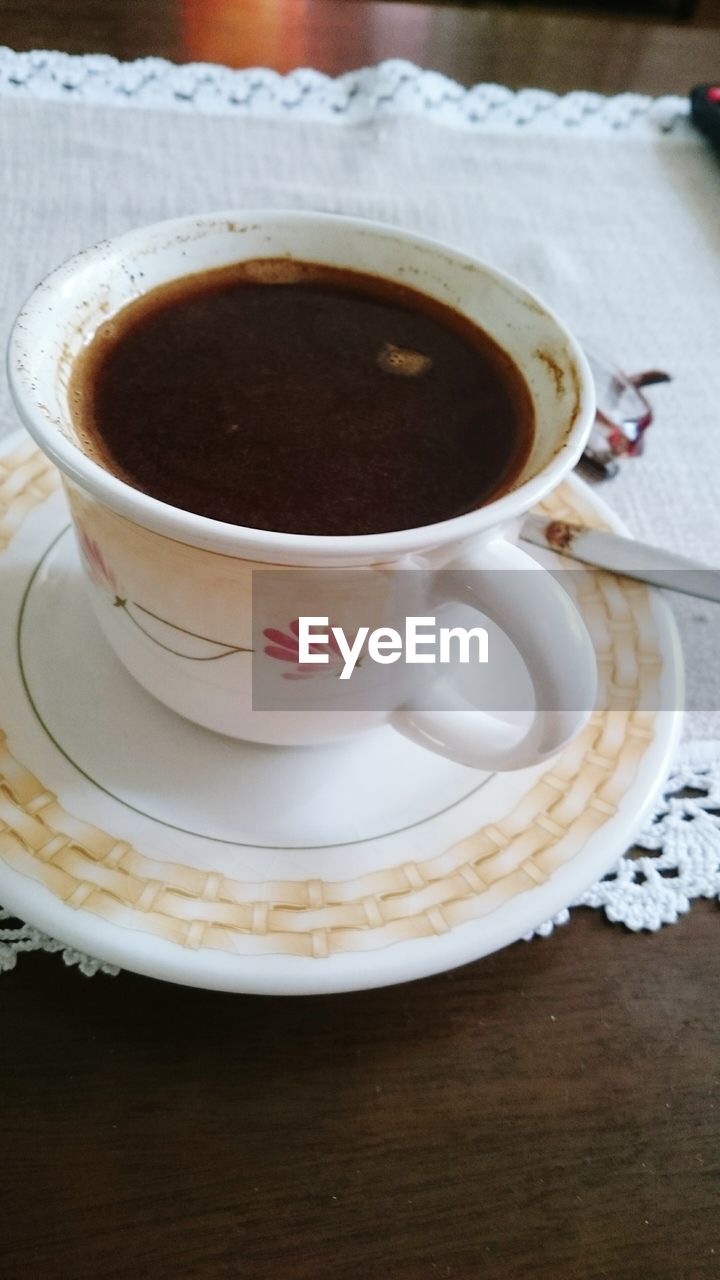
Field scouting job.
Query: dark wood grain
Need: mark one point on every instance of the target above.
(551, 1112)
(511, 45)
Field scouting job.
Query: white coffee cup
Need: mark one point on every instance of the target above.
(167, 583)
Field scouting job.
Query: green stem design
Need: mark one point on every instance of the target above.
(228, 649)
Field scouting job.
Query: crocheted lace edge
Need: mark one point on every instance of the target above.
(391, 88)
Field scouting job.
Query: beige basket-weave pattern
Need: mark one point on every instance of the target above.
(26, 479)
(85, 867)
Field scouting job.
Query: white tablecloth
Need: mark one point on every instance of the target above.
(607, 207)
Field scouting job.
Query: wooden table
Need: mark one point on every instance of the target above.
(509, 45)
(551, 1112)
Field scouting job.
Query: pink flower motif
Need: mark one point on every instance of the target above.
(100, 572)
(286, 648)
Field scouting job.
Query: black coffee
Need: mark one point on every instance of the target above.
(303, 399)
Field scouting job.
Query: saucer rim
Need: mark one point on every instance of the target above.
(401, 961)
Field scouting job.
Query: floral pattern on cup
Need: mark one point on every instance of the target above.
(97, 567)
(103, 576)
(285, 647)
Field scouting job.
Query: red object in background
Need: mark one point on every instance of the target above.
(262, 33)
(623, 414)
(331, 35)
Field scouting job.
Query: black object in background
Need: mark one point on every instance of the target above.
(671, 9)
(705, 110)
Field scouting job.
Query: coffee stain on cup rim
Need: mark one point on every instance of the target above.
(559, 377)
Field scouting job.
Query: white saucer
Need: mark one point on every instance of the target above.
(129, 833)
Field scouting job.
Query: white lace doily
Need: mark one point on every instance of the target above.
(393, 88)
(676, 858)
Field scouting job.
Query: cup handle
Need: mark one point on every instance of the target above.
(563, 673)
